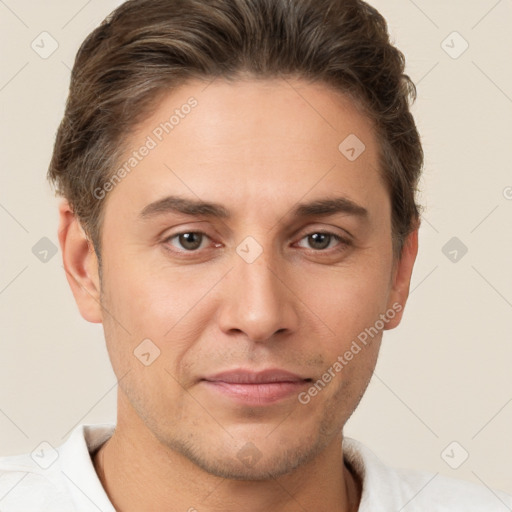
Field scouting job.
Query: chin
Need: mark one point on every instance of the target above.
(249, 462)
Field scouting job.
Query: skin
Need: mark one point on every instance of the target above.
(258, 148)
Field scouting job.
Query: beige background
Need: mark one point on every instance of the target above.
(444, 375)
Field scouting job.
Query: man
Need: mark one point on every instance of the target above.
(238, 211)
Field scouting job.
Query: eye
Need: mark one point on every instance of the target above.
(188, 241)
(321, 240)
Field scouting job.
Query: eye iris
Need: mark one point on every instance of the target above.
(321, 239)
(190, 240)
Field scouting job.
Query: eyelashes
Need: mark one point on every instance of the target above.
(326, 234)
(191, 242)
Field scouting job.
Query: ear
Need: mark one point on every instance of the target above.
(401, 278)
(80, 263)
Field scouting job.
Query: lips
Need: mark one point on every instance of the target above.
(249, 377)
(255, 388)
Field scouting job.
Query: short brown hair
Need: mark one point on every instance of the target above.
(147, 47)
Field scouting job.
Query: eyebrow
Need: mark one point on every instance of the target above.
(319, 207)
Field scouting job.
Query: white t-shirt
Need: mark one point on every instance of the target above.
(64, 480)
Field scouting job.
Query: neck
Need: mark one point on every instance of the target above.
(138, 473)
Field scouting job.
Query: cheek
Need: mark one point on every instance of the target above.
(144, 360)
(153, 310)
(351, 305)
(150, 299)
(349, 300)
(338, 391)
(352, 383)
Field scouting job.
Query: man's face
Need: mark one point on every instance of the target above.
(258, 290)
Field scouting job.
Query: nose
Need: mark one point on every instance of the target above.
(257, 301)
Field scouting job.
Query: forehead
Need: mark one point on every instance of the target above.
(253, 139)
(281, 112)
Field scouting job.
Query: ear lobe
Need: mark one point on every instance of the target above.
(401, 279)
(80, 263)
